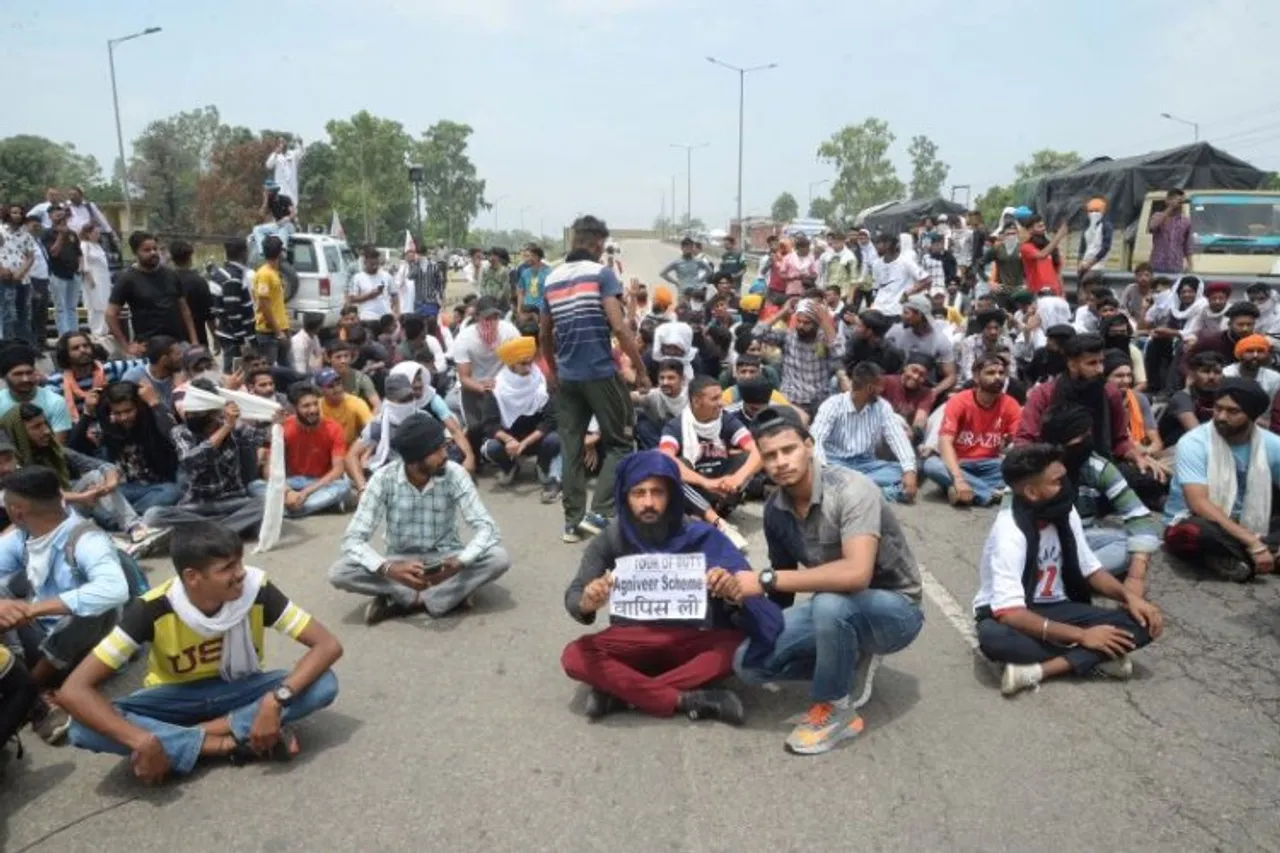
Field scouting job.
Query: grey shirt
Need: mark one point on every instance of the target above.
(844, 504)
(935, 343)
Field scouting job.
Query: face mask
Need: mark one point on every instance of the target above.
(1055, 508)
(212, 375)
(1095, 217)
(1075, 455)
(1010, 244)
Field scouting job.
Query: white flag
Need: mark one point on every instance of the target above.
(335, 227)
(408, 242)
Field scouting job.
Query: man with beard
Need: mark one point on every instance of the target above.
(1193, 405)
(1241, 319)
(1117, 334)
(18, 368)
(811, 351)
(1263, 297)
(1221, 512)
(975, 347)
(746, 368)
(153, 294)
(135, 426)
(83, 377)
(829, 534)
(315, 455)
(1131, 534)
(849, 429)
(1049, 361)
(419, 496)
(977, 424)
(661, 667)
(920, 332)
(1252, 353)
(868, 342)
(657, 406)
(910, 394)
(1037, 579)
(1209, 319)
(164, 363)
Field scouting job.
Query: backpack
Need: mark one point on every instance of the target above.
(133, 574)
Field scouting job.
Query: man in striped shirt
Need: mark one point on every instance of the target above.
(849, 428)
(1102, 492)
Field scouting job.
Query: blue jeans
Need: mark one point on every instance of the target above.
(982, 475)
(1111, 546)
(14, 320)
(143, 496)
(174, 712)
(886, 475)
(825, 636)
(323, 498)
(66, 301)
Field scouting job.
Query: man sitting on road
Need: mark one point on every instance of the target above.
(61, 586)
(475, 350)
(18, 368)
(660, 667)
(745, 368)
(977, 424)
(519, 419)
(81, 372)
(314, 458)
(830, 533)
(1252, 354)
(341, 356)
(426, 566)
(1193, 405)
(919, 332)
(1223, 513)
(717, 457)
(348, 411)
(206, 694)
(1037, 579)
(849, 428)
(658, 406)
(1103, 494)
(164, 363)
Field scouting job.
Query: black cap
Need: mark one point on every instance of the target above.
(778, 417)
(487, 306)
(1062, 330)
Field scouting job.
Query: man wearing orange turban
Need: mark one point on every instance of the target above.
(1095, 240)
(1252, 353)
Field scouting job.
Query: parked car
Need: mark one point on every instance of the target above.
(322, 266)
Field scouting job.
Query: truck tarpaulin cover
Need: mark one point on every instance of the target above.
(1125, 183)
(900, 216)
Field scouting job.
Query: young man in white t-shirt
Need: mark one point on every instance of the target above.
(372, 290)
(895, 276)
(1037, 617)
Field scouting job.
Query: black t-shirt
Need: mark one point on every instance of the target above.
(152, 297)
(1181, 402)
(66, 263)
(199, 301)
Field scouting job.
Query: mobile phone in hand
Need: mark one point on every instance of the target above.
(433, 568)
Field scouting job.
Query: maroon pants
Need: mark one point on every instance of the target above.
(649, 667)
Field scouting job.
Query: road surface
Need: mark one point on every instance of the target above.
(463, 734)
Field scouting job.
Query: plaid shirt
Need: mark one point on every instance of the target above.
(213, 473)
(419, 522)
(807, 366)
(937, 272)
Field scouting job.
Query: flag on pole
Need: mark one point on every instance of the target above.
(409, 245)
(335, 227)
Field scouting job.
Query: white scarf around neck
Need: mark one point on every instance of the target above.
(693, 432)
(519, 396)
(239, 657)
(393, 414)
(1224, 487)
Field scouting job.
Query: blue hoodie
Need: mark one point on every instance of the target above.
(758, 617)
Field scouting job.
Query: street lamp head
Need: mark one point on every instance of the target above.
(415, 174)
(1165, 115)
(149, 30)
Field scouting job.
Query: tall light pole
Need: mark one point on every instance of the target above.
(742, 85)
(1195, 127)
(415, 178)
(527, 207)
(813, 185)
(688, 152)
(494, 206)
(115, 100)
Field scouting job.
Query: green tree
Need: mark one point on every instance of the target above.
(371, 187)
(928, 173)
(451, 191)
(864, 173)
(824, 209)
(990, 203)
(317, 176)
(31, 164)
(169, 157)
(1043, 162)
(785, 208)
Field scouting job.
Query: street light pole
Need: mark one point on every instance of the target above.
(742, 85)
(1195, 127)
(415, 177)
(115, 101)
(688, 151)
(522, 212)
(494, 205)
(813, 184)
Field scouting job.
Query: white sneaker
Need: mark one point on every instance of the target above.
(734, 535)
(862, 678)
(1120, 668)
(1020, 676)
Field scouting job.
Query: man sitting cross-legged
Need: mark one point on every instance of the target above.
(659, 667)
(1036, 581)
(314, 458)
(61, 586)
(830, 533)
(1223, 512)
(205, 693)
(426, 566)
(519, 419)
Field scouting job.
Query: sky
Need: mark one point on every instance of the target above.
(576, 104)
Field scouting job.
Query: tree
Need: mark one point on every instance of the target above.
(371, 175)
(31, 164)
(1043, 162)
(990, 203)
(785, 208)
(824, 209)
(168, 158)
(928, 173)
(317, 176)
(451, 191)
(864, 173)
(228, 196)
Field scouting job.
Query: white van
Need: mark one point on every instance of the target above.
(323, 265)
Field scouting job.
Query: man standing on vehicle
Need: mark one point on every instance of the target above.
(1171, 235)
(271, 321)
(283, 163)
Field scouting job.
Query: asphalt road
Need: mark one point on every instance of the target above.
(464, 735)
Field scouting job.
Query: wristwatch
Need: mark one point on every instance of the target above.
(768, 581)
(283, 696)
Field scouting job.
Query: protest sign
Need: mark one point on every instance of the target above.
(660, 586)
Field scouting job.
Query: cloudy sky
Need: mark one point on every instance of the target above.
(575, 104)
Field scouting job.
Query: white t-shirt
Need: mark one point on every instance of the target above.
(376, 308)
(892, 280)
(1004, 556)
(469, 349)
(1053, 311)
(404, 287)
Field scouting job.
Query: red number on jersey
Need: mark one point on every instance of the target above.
(1048, 576)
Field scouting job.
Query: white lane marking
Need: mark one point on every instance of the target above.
(958, 616)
